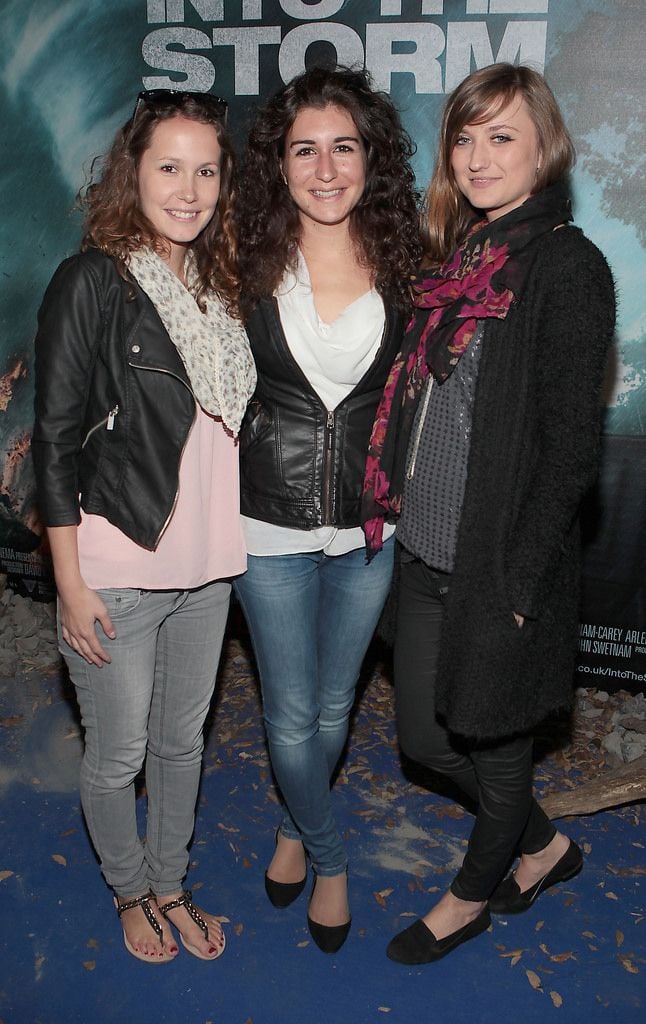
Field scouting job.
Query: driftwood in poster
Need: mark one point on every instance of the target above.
(623, 785)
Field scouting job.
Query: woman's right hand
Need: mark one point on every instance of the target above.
(79, 609)
(78, 606)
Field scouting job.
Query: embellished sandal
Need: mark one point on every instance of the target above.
(144, 903)
(185, 901)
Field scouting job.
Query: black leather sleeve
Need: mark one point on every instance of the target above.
(70, 325)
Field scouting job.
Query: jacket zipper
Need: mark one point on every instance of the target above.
(158, 369)
(328, 467)
(107, 422)
(327, 490)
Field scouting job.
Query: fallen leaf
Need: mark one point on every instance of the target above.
(560, 958)
(92, 944)
(514, 960)
(539, 925)
(631, 872)
(383, 1009)
(588, 935)
(628, 965)
(534, 980)
(556, 999)
(301, 945)
(619, 937)
(5, 874)
(89, 965)
(60, 859)
(611, 896)
(512, 953)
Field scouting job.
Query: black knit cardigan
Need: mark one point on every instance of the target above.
(534, 453)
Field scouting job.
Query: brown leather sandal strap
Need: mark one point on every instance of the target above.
(144, 903)
(185, 901)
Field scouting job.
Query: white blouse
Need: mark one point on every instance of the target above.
(334, 357)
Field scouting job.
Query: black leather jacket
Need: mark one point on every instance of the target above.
(302, 465)
(113, 403)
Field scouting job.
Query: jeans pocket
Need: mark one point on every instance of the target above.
(120, 601)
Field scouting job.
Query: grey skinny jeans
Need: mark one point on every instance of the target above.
(149, 704)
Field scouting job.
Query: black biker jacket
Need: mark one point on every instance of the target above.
(302, 465)
(113, 403)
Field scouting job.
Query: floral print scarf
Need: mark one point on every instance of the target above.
(481, 279)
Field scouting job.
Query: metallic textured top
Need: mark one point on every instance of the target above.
(436, 478)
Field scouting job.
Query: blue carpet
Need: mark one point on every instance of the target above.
(578, 955)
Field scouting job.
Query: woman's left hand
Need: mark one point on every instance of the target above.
(520, 619)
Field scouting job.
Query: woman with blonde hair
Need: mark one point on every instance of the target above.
(484, 444)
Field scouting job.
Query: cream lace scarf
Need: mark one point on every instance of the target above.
(212, 345)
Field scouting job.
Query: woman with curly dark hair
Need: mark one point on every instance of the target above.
(328, 241)
(142, 378)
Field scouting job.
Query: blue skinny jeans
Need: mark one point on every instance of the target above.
(311, 617)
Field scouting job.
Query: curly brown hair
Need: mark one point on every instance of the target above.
(385, 223)
(446, 212)
(114, 221)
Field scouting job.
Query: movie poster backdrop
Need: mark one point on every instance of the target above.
(71, 70)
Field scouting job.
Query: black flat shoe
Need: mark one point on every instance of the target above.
(508, 899)
(281, 894)
(418, 945)
(328, 937)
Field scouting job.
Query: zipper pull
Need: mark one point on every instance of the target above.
(330, 429)
(111, 417)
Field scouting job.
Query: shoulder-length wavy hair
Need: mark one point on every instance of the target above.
(446, 214)
(385, 223)
(115, 223)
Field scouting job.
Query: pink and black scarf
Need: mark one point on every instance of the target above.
(482, 279)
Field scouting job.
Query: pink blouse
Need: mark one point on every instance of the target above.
(203, 540)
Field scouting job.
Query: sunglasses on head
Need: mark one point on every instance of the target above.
(159, 98)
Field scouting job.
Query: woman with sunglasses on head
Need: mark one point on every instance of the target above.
(484, 445)
(328, 238)
(143, 373)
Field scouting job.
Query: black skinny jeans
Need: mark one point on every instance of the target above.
(497, 777)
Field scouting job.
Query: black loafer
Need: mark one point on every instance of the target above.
(418, 945)
(508, 899)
